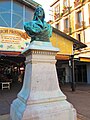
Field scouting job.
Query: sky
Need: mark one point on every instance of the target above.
(46, 6)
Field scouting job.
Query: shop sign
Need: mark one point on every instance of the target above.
(13, 39)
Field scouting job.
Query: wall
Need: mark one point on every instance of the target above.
(65, 46)
(87, 35)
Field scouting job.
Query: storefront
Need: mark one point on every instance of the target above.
(82, 65)
(13, 39)
(12, 43)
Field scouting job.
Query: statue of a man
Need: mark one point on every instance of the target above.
(38, 29)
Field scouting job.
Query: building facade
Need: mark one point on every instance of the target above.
(73, 18)
(13, 39)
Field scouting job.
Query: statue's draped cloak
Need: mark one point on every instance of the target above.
(38, 30)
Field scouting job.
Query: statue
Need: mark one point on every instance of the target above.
(38, 29)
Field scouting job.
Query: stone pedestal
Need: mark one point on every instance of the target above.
(40, 97)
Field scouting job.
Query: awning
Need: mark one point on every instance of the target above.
(11, 58)
(84, 54)
(83, 59)
(11, 53)
(62, 57)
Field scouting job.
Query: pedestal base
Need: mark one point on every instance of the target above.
(59, 110)
(41, 97)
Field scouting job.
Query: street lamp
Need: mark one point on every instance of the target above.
(71, 64)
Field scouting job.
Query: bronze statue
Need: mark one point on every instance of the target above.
(38, 29)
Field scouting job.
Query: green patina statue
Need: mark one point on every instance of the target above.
(38, 29)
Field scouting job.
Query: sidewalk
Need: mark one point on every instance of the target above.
(80, 100)
(4, 117)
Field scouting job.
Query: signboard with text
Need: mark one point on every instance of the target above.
(13, 39)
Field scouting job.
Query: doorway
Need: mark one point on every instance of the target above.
(81, 73)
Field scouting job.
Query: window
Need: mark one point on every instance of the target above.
(66, 6)
(89, 12)
(28, 14)
(79, 37)
(78, 20)
(14, 14)
(79, 17)
(57, 25)
(57, 12)
(66, 25)
(5, 15)
(65, 3)
(17, 16)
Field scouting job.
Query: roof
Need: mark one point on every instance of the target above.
(77, 44)
(54, 2)
(30, 3)
(85, 52)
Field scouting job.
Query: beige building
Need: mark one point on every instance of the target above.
(13, 39)
(73, 18)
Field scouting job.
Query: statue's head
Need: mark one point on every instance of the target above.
(39, 13)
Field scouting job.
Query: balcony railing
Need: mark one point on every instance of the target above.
(66, 30)
(80, 25)
(78, 2)
(65, 9)
(56, 16)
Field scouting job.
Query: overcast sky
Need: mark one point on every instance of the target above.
(45, 4)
